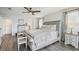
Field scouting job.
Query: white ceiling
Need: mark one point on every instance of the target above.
(48, 10)
(19, 10)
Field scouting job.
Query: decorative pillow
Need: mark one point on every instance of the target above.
(51, 27)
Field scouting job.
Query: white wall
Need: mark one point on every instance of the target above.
(1, 20)
(53, 17)
(29, 20)
(13, 16)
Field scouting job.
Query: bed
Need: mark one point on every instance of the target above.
(41, 38)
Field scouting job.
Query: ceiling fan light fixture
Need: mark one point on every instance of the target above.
(30, 13)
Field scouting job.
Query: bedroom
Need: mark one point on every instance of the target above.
(41, 30)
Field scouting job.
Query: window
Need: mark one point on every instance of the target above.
(72, 18)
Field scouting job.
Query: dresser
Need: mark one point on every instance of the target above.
(71, 39)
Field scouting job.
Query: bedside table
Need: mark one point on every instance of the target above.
(72, 39)
(21, 40)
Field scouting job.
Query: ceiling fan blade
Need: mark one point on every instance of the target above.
(27, 9)
(25, 12)
(35, 11)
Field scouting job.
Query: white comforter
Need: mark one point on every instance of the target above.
(42, 38)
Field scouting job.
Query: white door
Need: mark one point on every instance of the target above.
(8, 26)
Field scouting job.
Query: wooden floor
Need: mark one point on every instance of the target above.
(10, 44)
(58, 47)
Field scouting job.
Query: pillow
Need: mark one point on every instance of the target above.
(53, 27)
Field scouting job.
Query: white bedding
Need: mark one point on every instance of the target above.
(42, 37)
(48, 28)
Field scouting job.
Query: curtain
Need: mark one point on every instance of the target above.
(72, 18)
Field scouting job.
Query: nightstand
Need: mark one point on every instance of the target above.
(21, 40)
(72, 39)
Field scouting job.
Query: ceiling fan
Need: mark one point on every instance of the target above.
(30, 11)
